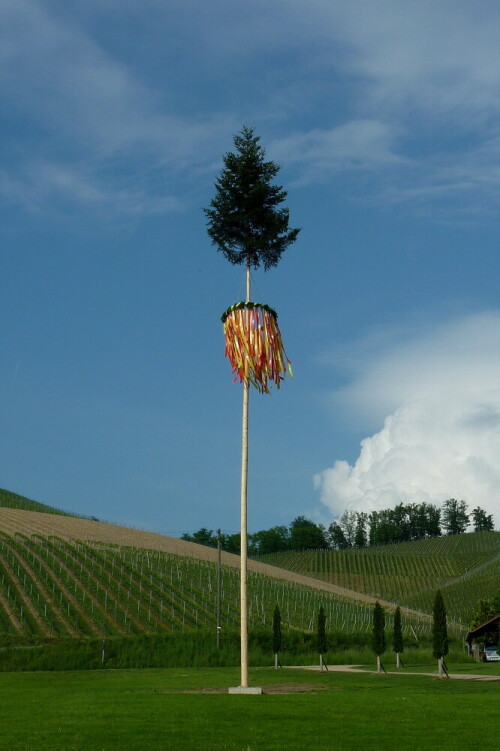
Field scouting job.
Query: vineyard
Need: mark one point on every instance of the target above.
(465, 567)
(68, 576)
(72, 577)
(52, 586)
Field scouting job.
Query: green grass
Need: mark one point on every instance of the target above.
(142, 710)
(196, 649)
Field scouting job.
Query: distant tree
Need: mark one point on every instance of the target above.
(276, 634)
(482, 521)
(439, 632)
(431, 520)
(360, 537)
(483, 611)
(231, 543)
(373, 528)
(378, 639)
(274, 540)
(245, 219)
(496, 603)
(455, 517)
(337, 537)
(306, 535)
(203, 536)
(404, 523)
(348, 522)
(398, 636)
(321, 636)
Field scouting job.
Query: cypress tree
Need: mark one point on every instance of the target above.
(276, 634)
(322, 645)
(245, 221)
(439, 632)
(378, 633)
(398, 636)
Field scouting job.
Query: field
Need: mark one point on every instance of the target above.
(67, 582)
(464, 567)
(177, 710)
(69, 577)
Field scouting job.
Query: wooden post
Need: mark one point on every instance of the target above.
(218, 588)
(243, 520)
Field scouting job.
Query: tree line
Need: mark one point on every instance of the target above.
(356, 529)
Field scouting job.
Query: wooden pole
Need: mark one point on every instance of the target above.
(218, 588)
(243, 521)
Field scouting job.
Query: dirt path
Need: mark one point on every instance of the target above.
(357, 669)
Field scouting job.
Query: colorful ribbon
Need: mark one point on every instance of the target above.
(254, 346)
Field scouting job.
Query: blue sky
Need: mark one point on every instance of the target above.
(116, 399)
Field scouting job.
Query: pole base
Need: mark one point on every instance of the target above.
(244, 690)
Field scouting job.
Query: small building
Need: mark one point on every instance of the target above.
(486, 633)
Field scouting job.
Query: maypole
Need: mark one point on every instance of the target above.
(245, 223)
(244, 520)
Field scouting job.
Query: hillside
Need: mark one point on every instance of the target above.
(14, 500)
(465, 567)
(69, 576)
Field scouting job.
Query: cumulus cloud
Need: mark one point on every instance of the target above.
(440, 397)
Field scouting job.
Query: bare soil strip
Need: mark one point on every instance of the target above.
(26, 601)
(70, 528)
(10, 613)
(273, 688)
(68, 595)
(106, 614)
(58, 612)
(43, 590)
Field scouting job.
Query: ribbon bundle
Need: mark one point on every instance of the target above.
(254, 346)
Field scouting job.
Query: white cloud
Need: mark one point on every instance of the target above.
(441, 438)
(405, 93)
(78, 102)
(42, 184)
(356, 145)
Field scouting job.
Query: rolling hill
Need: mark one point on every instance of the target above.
(62, 575)
(465, 568)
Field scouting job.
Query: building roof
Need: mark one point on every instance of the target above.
(482, 629)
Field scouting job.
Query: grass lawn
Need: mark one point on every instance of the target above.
(126, 710)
